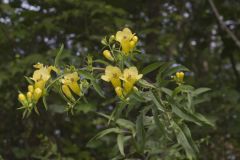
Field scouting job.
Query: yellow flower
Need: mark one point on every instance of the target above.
(67, 92)
(30, 88)
(112, 74)
(119, 91)
(70, 80)
(21, 97)
(126, 39)
(180, 76)
(107, 54)
(29, 96)
(37, 94)
(130, 77)
(41, 75)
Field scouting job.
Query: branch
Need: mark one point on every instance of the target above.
(224, 27)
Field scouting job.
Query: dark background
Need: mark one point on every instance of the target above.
(186, 31)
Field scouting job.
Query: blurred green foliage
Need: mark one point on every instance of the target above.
(186, 31)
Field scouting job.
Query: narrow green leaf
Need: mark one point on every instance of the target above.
(200, 91)
(140, 133)
(145, 84)
(97, 88)
(183, 141)
(173, 70)
(156, 119)
(101, 61)
(156, 101)
(44, 102)
(120, 142)
(126, 124)
(30, 81)
(185, 115)
(56, 62)
(151, 67)
(167, 91)
(85, 74)
(36, 110)
(105, 132)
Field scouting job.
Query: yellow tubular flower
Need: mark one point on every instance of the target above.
(135, 39)
(30, 88)
(29, 96)
(125, 37)
(119, 91)
(71, 81)
(67, 92)
(37, 94)
(21, 97)
(180, 76)
(112, 74)
(107, 54)
(130, 77)
(41, 76)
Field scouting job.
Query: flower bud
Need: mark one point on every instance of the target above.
(107, 54)
(40, 84)
(119, 91)
(135, 89)
(21, 97)
(67, 91)
(29, 96)
(112, 38)
(132, 44)
(30, 88)
(135, 39)
(180, 76)
(75, 88)
(37, 94)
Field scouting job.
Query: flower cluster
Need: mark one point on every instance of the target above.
(179, 77)
(129, 77)
(127, 41)
(36, 90)
(70, 84)
(123, 79)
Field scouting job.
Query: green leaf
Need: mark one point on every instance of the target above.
(182, 113)
(186, 115)
(102, 61)
(97, 88)
(167, 91)
(200, 91)
(105, 132)
(183, 140)
(156, 101)
(85, 74)
(182, 88)
(161, 70)
(156, 119)
(120, 142)
(56, 62)
(30, 81)
(44, 102)
(151, 67)
(140, 133)
(126, 124)
(173, 70)
(143, 83)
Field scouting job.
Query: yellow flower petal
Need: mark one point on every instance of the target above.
(112, 74)
(37, 94)
(119, 91)
(75, 88)
(67, 92)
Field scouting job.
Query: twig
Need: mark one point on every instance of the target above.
(218, 16)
